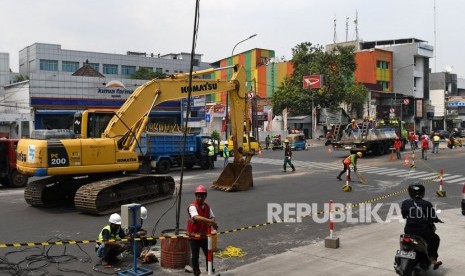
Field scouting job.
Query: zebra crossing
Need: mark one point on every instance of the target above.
(401, 173)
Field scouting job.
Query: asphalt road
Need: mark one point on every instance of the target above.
(314, 182)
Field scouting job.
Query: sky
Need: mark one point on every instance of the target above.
(166, 26)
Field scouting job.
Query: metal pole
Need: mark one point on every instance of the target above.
(311, 129)
(226, 117)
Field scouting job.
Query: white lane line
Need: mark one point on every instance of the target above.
(456, 180)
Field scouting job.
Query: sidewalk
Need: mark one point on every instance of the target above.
(364, 250)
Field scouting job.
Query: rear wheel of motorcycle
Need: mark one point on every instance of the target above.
(406, 267)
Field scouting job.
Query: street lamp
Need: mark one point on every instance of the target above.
(396, 71)
(226, 117)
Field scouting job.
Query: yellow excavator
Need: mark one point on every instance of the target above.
(100, 174)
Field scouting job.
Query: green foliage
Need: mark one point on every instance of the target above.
(215, 135)
(356, 98)
(336, 66)
(147, 74)
(20, 78)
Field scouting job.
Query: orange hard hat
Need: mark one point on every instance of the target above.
(200, 189)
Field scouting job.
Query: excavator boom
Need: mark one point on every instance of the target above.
(88, 170)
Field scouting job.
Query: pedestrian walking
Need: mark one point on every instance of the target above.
(424, 147)
(225, 153)
(287, 156)
(201, 217)
(436, 142)
(411, 139)
(398, 146)
(267, 141)
(351, 159)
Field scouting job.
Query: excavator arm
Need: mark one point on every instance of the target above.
(127, 126)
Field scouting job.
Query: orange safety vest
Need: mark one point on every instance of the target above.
(347, 161)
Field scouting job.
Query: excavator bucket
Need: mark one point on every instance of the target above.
(235, 177)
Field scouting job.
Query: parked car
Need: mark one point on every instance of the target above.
(297, 141)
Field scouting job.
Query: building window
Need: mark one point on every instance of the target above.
(159, 70)
(384, 85)
(127, 70)
(48, 65)
(69, 66)
(110, 69)
(95, 66)
(195, 62)
(382, 64)
(167, 71)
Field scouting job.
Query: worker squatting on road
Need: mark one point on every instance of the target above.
(200, 218)
(110, 245)
(351, 159)
(287, 156)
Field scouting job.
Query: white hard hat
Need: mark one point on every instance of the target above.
(143, 212)
(115, 219)
(209, 142)
(226, 143)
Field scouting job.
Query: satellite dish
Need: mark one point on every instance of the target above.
(115, 83)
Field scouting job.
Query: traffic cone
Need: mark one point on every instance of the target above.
(330, 151)
(392, 154)
(259, 152)
(406, 162)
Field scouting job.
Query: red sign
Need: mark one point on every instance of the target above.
(313, 81)
(406, 101)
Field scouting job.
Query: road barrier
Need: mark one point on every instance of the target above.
(69, 242)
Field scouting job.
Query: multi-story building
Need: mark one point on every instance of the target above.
(396, 73)
(52, 94)
(447, 94)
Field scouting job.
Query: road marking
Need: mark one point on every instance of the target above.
(456, 180)
(451, 177)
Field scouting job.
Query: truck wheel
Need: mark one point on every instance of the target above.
(205, 163)
(163, 166)
(4, 181)
(17, 179)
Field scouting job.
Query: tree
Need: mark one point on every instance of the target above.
(336, 66)
(19, 78)
(147, 74)
(356, 98)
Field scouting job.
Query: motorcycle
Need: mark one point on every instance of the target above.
(412, 258)
(276, 143)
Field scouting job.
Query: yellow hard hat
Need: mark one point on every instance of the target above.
(286, 141)
(359, 154)
(353, 120)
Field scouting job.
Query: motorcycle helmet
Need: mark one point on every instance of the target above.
(416, 190)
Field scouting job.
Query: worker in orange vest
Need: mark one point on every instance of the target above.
(351, 159)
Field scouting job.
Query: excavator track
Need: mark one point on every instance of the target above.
(53, 191)
(107, 196)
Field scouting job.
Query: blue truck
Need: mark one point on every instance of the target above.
(164, 150)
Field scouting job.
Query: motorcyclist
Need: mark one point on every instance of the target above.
(420, 218)
(267, 141)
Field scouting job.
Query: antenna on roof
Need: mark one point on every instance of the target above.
(356, 25)
(347, 27)
(335, 37)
